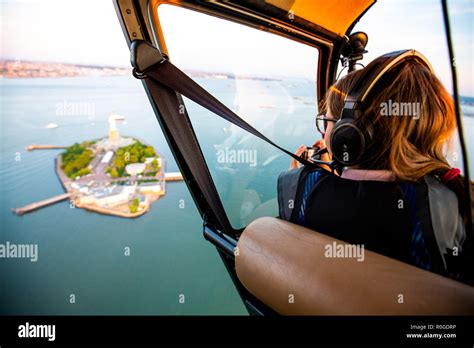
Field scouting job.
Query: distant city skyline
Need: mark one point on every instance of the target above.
(63, 31)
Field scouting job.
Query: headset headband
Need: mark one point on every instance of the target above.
(372, 73)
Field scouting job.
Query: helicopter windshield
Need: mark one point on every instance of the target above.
(241, 66)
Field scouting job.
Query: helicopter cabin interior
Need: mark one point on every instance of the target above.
(268, 259)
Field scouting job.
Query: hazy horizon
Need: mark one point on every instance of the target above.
(30, 33)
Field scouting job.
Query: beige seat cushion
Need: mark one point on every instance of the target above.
(284, 265)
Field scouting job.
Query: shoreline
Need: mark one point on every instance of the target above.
(105, 211)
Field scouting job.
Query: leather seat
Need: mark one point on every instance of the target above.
(284, 265)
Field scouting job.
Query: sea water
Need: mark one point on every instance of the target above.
(82, 253)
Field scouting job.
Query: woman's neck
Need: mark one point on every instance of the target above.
(367, 174)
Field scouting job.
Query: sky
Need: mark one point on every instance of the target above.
(88, 32)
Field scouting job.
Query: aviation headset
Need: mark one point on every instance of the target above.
(348, 141)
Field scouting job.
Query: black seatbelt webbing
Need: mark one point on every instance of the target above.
(170, 76)
(166, 102)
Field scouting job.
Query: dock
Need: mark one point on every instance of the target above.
(44, 147)
(173, 176)
(34, 206)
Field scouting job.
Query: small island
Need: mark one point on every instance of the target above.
(116, 175)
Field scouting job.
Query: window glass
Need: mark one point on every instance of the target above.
(461, 16)
(268, 80)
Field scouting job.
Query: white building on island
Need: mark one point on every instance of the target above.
(155, 189)
(107, 157)
(110, 196)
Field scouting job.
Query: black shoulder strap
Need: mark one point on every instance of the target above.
(288, 183)
(148, 62)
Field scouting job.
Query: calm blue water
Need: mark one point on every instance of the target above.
(82, 253)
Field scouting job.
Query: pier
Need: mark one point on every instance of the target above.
(173, 176)
(44, 147)
(34, 206)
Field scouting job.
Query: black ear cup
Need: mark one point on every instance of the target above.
(347, 142)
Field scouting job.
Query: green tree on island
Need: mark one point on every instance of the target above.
(134, 205)
(152, 168)
(76, 159)
(155, 165)
(134, 153)
(114, 173)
